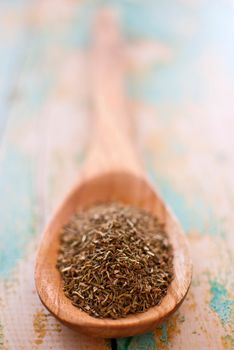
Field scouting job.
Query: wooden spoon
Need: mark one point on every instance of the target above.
(112, 173)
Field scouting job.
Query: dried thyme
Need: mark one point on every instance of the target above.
(115, 260)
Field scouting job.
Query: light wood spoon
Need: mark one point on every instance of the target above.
(112, 172)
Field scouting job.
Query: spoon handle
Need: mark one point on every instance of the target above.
(113, 146)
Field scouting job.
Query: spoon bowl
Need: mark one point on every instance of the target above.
(111, 173)
(129, 189)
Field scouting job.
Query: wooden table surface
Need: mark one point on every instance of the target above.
(181, 87)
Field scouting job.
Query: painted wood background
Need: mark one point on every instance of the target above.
(181, 86)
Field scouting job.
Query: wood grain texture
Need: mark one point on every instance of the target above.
(182, 87)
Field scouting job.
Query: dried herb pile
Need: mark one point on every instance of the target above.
(115, 260)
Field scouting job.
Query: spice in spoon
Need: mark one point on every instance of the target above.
(115, 260)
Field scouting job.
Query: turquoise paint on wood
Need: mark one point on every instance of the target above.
(197, 215)
(12, 55)
(164, 336)
(17, 210)
(220, 302)
(140, 342)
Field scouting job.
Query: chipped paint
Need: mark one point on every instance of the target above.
(55, 327)
(164, 336)
(165, 333)
(220, 302)
(228, 342)
(2, 339)
(40, 326)
(191, 301)
(140, 342)
(1, 336)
